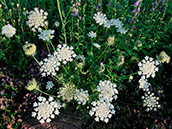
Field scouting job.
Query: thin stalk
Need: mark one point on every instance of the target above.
(36, 60)
(48, 48)
(63, 22)
(46, 93)
(49, 38)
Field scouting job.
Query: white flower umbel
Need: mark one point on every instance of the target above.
(143, 84)
(37, 19)
(49, 65)
(65, 53)
(92, 34)
(81, 96)
(102, 110)
(8, 30)
(107, 23)
(45, 110)
(150, 101)
(49, 85)
(117, 23)
(122, 30)
(97, 45)
(148, 67)
(100, 18)
(107, 90)
(67, 92)
(46, 36)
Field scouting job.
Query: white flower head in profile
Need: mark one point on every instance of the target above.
(97, 45)
(8, 30)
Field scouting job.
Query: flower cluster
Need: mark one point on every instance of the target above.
(148, 67)
(37, 19)
(102, 110)
(64, 53)
(8, 30)
(44, 110)
(101, 19)
(29, 49)
(92, 34)
(97, 45)
(81, 96)
(80, 61)
(67, 92)
(49, 85)
(49, 65)
(144, 84)
(110, 40)
(32, 85)
(46, 36)
(163, 57)
(107, 90)
(150, 101)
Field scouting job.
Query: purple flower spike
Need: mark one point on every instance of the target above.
(136, 3)
(135, 14)
(151, 10)
(131, 20)
(132, 11)
(162, 1)
(132, 26)
(138, 10)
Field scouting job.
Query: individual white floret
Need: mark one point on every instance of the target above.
(46, 36)
(107, 90)
(102, 110)
(8, 30)
(81, 96)
(92, 34)
(49, 65)
(150, 101)
(65, 53)
(143, 84)
(100, 18)
(36, 19)
(49, 85)
(45, 109)
(148, 67)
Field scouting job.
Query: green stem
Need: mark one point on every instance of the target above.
(65, 69)
(49, 38)
(48, 48)
(36, 60)
(63, 22)
(95, 61)
(46, 93)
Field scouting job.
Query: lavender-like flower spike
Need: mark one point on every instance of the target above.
(138, 9)
(136, 3)
(132, 11)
